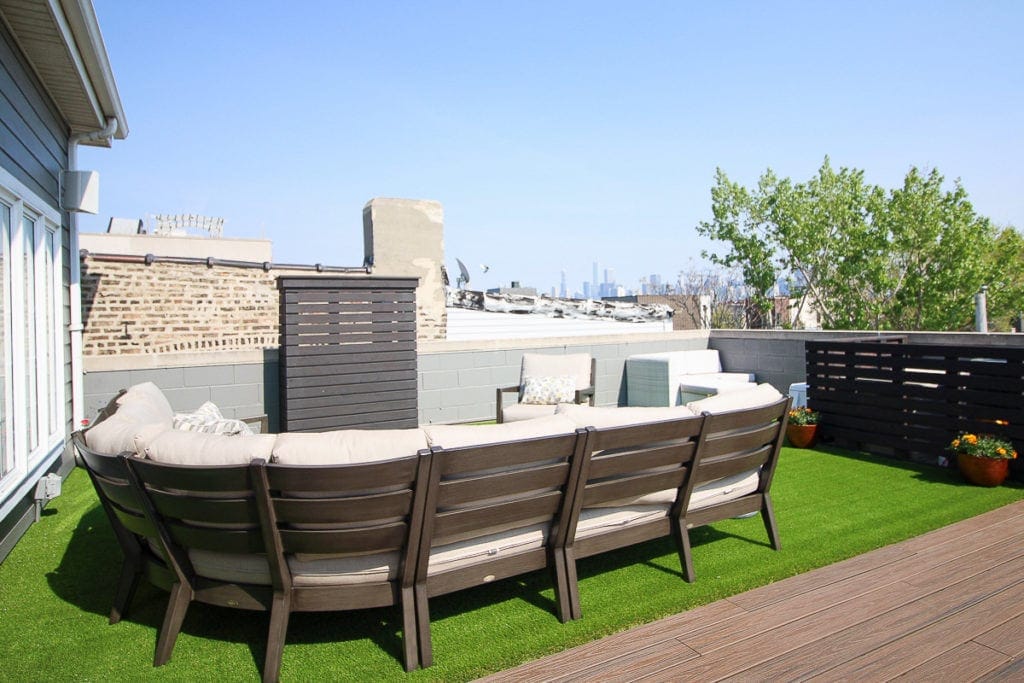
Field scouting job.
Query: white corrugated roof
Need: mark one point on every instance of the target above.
(464, 324)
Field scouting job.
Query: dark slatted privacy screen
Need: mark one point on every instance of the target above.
(348, 353)
(913, 399)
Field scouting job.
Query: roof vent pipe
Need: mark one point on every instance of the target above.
(981, 310)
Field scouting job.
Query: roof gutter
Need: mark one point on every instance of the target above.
(75, 286)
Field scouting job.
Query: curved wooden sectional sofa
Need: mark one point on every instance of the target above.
(362, 518)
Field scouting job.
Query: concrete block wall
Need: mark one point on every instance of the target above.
(457, 380)
(239, 390)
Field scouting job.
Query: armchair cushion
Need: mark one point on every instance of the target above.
(576, 365)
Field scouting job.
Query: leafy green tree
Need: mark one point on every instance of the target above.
(1005, 280)
(866, 258)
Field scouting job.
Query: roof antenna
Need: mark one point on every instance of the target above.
(463, 278)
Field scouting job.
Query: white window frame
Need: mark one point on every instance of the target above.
(49, 381)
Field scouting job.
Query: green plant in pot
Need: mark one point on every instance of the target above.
(802, 428)
(983, 459)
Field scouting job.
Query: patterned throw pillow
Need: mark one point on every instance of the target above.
(548, 391)
(209, 420)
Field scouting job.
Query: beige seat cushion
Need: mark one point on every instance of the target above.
(348, 446)
(458, 436)
(487, 548)
(602, 418)
(517, 412)
(253, 568)
(176, 447)
(755, 397)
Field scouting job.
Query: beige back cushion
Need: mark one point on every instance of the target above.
(755, 397)
(142, 413)
(601, 418)
(149, 394)
(176, 447)
(551, 365)
(348, 446)
(457, 436)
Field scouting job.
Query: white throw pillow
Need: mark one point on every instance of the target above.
(209, 420)
(549, 390)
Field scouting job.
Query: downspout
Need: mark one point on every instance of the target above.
(75, 293)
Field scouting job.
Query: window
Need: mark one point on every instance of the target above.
(31, 368)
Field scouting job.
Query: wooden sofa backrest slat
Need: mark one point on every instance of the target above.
(135, 523)
(179, 505)
(350, 478)
(462, 491)
(378, 539)
(739, 419)
(504, 456)
(347, 510)
(218, 479)
(625, 460)
(716, 468)
(121, 494)
(633, 485)
(215, 539)
(736, 441)
(457, 525)
(644, 435)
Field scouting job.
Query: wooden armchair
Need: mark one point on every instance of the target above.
(543, 385)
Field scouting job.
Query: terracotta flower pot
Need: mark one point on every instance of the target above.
(802, 436)
(983, 471)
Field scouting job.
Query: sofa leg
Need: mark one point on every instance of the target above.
(768, 515)
(280, 612)
(422, 609)
(572, 584)
(126, 585)
(177, 606)
(410, 632)
(682, 538)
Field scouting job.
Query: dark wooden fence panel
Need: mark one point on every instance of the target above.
(911, 400)
(348, 353)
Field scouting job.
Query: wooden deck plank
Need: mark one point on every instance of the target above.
(901, 655)
(907, 616)
(963, 663)
(945, 605)
(1007, 637)
(908, 570)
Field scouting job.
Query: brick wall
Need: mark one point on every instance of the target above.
(134, 308)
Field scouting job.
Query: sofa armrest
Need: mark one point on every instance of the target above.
(259, 423)
(499, 401)
(587, 394)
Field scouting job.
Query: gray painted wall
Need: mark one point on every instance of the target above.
(33, 149)
(458, 385)
(243, 390)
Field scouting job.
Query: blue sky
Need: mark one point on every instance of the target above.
(555, 134)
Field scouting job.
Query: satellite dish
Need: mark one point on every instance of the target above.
(463, 274)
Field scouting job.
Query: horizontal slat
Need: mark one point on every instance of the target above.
(462, 491)
(303, 355)
(360, 369)
(298, 383)
(351, 541)
(716, 468)
(366, 476)
(507, 455)
(192, 477)
(210, 510)
(456, 525)
(631, 486)
(356, 408)
(354, 394)
(343, 510)
(219, 540)
(621, 462)
(406, 419)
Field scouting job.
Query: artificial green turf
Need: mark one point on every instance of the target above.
(57, 585)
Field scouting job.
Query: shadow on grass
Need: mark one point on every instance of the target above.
(87, 578)
(922, 471)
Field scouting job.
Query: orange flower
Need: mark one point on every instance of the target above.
(1001, 451)
(971, 439)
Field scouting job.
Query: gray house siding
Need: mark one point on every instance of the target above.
(33, 148)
